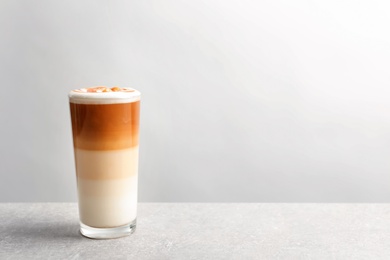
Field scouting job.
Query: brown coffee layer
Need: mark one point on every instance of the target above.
(105, 126)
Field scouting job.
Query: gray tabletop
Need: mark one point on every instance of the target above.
(203, 231)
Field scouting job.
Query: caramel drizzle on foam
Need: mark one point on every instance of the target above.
(103, 127)
(103, 89)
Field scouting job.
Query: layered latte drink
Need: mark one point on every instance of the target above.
(105, 126)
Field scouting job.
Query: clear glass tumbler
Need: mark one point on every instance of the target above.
(105, 126)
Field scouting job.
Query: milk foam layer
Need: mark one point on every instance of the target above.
(83, 96)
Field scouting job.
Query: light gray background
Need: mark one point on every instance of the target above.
(243, 101)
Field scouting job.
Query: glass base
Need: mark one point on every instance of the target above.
(107, 233)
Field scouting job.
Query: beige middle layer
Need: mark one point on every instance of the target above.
(103, 165)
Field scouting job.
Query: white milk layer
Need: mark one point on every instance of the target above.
(107, 186)
(107, 203)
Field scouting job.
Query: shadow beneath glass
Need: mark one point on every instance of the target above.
(41, 231)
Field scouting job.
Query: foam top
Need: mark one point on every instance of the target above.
(104, 95)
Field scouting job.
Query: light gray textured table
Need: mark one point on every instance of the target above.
(203, 231)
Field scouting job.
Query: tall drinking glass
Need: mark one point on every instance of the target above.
(105, 126)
